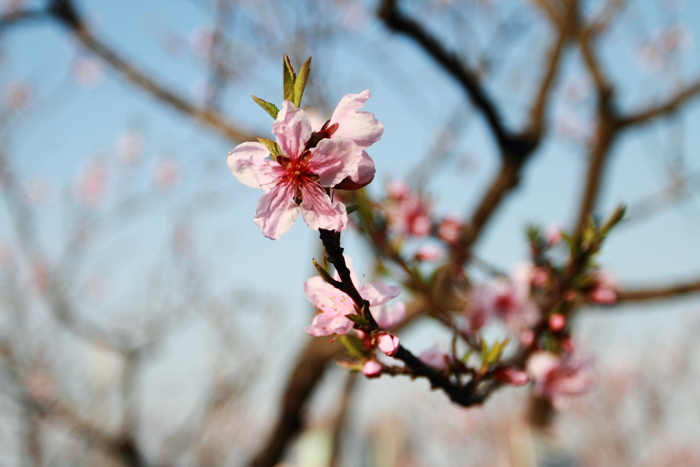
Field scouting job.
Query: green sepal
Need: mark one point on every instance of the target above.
(351, 209)
(323, 272)
(354, 346)
(300, 82)
(348, 365)
(273, 147)
(288, 78)
(357, 319)
(268, 107)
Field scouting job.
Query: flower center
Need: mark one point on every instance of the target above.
(298, 173)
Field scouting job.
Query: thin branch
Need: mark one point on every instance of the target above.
(672, 291)
(65, 12)
(666, 108)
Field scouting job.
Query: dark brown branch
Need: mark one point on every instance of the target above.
(673, 291)
(65, 12)
(398, 22)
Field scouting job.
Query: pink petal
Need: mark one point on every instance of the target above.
(541, 363)
(379, 293)
(276, 211)
(248, 163)
(387, 317)
(372, 369)
(434, 359)
(327, 298)
(509, 375)
(362, 177)
(334, 159)
(325, 324)
(388, 343)
(319, 212)
(361, 127)
(292, 129)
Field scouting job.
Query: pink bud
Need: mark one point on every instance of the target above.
(388, 343)
(372, 369)
(527, 337)
(557, 322)
(429, 253)
(510, 375)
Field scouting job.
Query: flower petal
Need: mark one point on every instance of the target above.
(379, 293)
(388, 316)
(276, 211)
(292, 129)
(334, 159)
(363, 176)
(248, 163)
(327, 298)
(319, 212)
(359, 126)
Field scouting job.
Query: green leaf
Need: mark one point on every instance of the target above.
(271, 146)
(323, 272)
(357, 319)
(354, 346)
(288, 78)
(351, 209)
(267, 106)
(300, 82)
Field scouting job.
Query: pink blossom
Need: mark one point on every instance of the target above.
(388, 343)
(510, 375)
(201, 41)
(362, 128)
(558, 378)
(429, 253)
(17, 95)
(449, 230)
(129, 146)
(501, 299)
(435, 359)
(334, 305)
(167, 173)
(88, 72)
(557, 322)
(407, 213)
(372, 369)
(297, 181)
(91, 184)
(605, 289)
(552, 234)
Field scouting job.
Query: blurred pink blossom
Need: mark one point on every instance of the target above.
(429, 253)
(129, 146)
(557, 322)
(41, 386)
(388, 316)
(502, 299)
(91, 184)
(435, 359)
(167, 173)
(510, 375)
(552, 234)
(12, 7)
(449, 230)
(38, 190)
(17, 95)
(372, 369)
(407, 213)
(88, 71)
(201, 41)
(558, 378)
(605, 289)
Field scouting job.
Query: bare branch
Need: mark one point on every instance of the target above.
(668, 107)
(672, 291)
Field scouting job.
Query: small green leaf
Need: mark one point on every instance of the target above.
(267, 106)
(288, 78)
(357, 319)
(348, 365)
(351, 209)
(300, 82)
(323, 272)
(354, 346)
(271, 146)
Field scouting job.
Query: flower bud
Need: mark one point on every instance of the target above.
(557, 322)
(388, 343)
(372, 369)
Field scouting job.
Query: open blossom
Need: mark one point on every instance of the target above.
(334, 305)
(501, 299)
(558, 378)
(407, 213)
(298, 181)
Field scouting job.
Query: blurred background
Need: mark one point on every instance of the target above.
(144, 319)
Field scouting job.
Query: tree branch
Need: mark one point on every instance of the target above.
(668, 107)
(672, 291)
